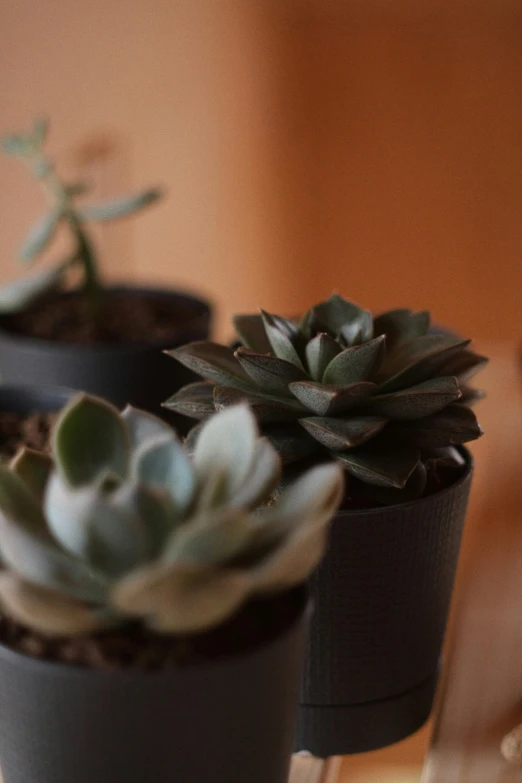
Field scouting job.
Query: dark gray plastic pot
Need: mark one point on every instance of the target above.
(25, 400)
(137, 373)
(382, 597)
(231, 721)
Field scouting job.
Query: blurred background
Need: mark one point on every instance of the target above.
(366, 146)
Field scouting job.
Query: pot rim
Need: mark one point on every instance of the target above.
(55, 669)
(379, 510)
(55, 346)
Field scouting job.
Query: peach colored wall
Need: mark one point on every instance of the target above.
(368, 146)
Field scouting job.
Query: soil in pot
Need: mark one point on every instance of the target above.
(17, 430)
(258, 623)
(124, 318)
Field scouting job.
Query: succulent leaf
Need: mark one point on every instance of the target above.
(319, 353)
(90, 439)
(343, 318)
(464, 365)
(195, 400)
(416, 402)
(47, 611)
(340, 434)
(291, 442)
(227, 442)
(212, 541)
(355, 364)
(452, 426)
(120, 207)
(268, 372)
(181, 598)
(34, 469)
(142, 426)
(40, 235)
(213, 362)
(401, 325)
(281, 333)
(251, 331)
(418, 361)
(390, 466)
(162, 463)
(268, 409)
(330, 400)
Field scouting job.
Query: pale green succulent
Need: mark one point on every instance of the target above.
(63, 210)
(384, 396)
(121, 525)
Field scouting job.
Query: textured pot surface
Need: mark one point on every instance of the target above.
(228, 722)
(137, 373)
(382, 597)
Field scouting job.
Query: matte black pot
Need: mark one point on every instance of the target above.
(231, 721)
(137, 373)
(382, 597)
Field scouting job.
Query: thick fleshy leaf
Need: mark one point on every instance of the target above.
(28, 548)
(14, 145)
(163, 464)
(68, 511)
(401, 325)
(213, 362)
(227, 441)
(90, 438)
(464, 365)
(417, 361)
(470, 396)
(251, 331)
(46, 611)
(343, 318)
(19, 294)
(282, 333)
(386, 465)
(117, 537)
(40, 235)
(120, 207)
(390, 496)
(327, 400)
(270, 374)
(34, 468)
(292, 443)
(266, 409)
(39, 131)
(340, 434)
(311, 501)
(416, 402)
(143, 426)
(355, 364)
(455, 425)
(181, 598)
(263, 478)
(211, 541)
(319, 353)
(292, 562)
(195, 400)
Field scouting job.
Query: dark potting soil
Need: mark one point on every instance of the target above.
(124, 317)
(133, 647)
(32, 430)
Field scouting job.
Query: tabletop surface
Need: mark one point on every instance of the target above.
(480, 696)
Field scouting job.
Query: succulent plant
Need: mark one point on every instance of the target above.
(63, 209)
(382, 396)
(121, 525)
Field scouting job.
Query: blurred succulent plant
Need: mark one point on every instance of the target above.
(62, 210)
(383, 396)
(120, 524)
